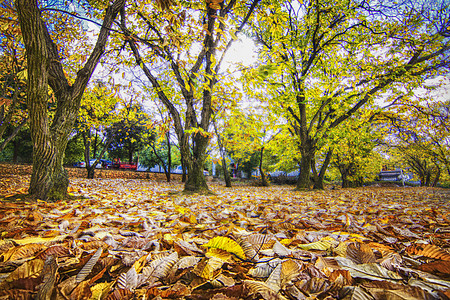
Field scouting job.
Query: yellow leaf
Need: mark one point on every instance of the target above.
(101, 289)
(28, 269)
(319, 245)
(227, 244)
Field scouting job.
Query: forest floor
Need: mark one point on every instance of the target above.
(145, 239)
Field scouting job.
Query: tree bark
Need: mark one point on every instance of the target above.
(318, 179)
(49, 179)
(169, 157)
(263, 176)
(226, 174)
(196, 181)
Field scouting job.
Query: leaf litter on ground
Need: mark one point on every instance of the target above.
(140, 239)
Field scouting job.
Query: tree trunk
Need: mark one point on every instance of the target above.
(90, 172)
(263, 176)
(304, 180)
(226, 173)
(169, 157)
(436, 179)
(196, 181)
(49, 179)
(345, 181)
(16, 146)
(318, 179)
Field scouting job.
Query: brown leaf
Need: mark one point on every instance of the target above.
(177, 290)
(28, 269)
(16, 294)
(23, 251)
(428, 250)
(120, 294)
(440, 268)
(56, 251)
(81, 292)
(360, 253)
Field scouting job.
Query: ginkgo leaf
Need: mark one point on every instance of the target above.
(226, 244)
(87, 268)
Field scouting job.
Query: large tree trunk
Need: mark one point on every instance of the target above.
(49, 180)
(196, 181)
(304, 178)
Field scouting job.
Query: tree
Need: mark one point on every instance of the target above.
(249, 134)
(187, 44)
(49, 179)
(97, 112)
(128, 136)
(353, 150)
(419, 133)
(323, 61)
(13, 115)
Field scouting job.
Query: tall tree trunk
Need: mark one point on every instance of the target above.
(436, 179)
(16, 146)
(169, 157)
(263, 176)
(49, 179)
(226, 174)
(183, 170)
(94, 151)
(306, 144)
(345, 181)
(318, 179)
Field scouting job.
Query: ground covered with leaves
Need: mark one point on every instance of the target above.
(140, 239)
